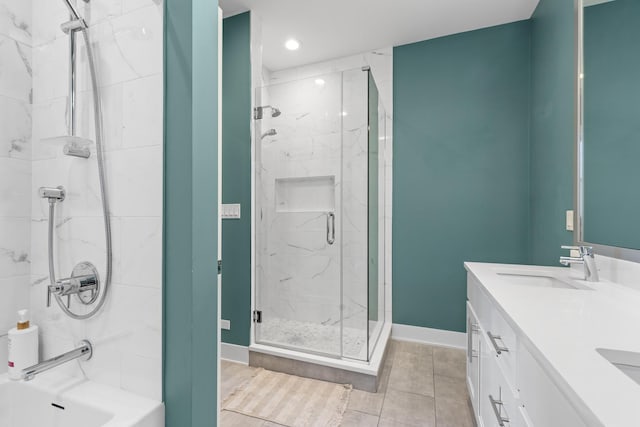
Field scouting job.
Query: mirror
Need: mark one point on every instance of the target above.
(609, 135)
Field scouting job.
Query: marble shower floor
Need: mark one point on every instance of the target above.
(421, 386)
(314, 337)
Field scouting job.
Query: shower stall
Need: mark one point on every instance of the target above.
(319, 210)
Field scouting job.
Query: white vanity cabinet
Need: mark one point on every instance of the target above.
(507, 386)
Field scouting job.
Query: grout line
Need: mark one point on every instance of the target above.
(386, 388)
(435, 405)
(415, 394)
(433, 375)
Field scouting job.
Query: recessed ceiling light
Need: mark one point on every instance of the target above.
(292, 44)
(320, 82)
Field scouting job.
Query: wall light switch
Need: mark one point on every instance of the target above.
(225, 324)
(569, 220)
(230, 211)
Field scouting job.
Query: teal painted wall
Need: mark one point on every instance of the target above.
(236, 177)
(612, 123)
(461, 167)
(484, 130)
(552, 128)
(190, 229)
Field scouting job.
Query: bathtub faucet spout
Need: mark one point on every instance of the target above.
(83, 352)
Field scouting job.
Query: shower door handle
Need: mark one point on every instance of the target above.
(331, 228)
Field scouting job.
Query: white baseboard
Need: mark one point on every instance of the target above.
(234, 353)
(429, 336)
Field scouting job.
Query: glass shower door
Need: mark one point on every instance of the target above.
(320, 214)
(298, 215)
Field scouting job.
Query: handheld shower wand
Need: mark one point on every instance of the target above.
(84, 281)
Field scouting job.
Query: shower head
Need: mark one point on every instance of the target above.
(270, 132)
(258, 112)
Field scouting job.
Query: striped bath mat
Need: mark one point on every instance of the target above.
(290, 400)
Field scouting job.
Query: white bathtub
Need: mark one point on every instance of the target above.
(52, 400)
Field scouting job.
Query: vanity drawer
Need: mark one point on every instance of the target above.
(500, 337)
(498, 403)
(503, 341)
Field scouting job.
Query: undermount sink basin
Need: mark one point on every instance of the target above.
(626, 361)
(540, 280)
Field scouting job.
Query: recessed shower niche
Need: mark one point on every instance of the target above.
(306, 194)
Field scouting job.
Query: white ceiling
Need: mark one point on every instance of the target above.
(331, 29)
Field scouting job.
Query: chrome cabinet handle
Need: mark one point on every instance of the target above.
(472, 328)
(497, 406)
(494, 341)
(331, 228)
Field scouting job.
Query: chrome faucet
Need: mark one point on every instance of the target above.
(84, 352)
(586, 258)
(84, 282)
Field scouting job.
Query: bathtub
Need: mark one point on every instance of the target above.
(53, 400)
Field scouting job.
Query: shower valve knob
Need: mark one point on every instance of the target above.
(84, 282)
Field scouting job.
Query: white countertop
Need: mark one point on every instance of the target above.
(563, 328)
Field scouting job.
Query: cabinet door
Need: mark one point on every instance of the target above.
(544, 404)
(473, 358)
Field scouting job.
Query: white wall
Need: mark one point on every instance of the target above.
(127, 36)
(15, 163)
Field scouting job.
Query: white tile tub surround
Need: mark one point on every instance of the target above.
(127, 36)
(15, 20)
(15, 163)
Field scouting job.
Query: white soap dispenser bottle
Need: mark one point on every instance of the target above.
(23, 346)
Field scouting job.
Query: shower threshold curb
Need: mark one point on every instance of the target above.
(362, 375)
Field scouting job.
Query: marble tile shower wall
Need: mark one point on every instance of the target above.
(302, 269)
(306, 288)
(381, 63)
(15, 163)
(127, 36)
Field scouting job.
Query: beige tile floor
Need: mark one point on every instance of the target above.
(421, 385)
